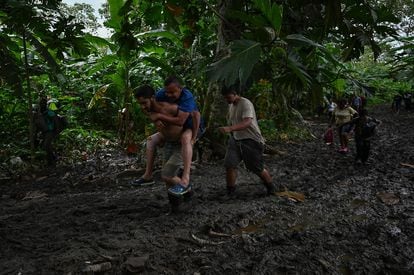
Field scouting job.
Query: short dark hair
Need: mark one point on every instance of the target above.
(145, 91)
(171, 79)
(228, 90)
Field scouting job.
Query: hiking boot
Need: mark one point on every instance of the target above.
(179, 190)
(142, 182)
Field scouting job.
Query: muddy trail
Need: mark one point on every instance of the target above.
(86, 219)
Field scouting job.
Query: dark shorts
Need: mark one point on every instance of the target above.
(247, 150)
(172, 159)
(345, 129)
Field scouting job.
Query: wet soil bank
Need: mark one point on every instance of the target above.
(355, 219)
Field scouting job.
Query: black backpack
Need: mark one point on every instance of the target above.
(61, 123)
(369, 128)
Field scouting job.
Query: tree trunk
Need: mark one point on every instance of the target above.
(216, 109)
(29, 99)
(125, 126)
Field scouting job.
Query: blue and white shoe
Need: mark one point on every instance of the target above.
(142, 182)
(179, 190)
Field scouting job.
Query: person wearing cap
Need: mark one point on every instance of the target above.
(49, 126)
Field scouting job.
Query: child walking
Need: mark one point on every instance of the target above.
(365, 127)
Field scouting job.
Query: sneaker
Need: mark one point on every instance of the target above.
(343, 150)
(179, 190)
(142, 182)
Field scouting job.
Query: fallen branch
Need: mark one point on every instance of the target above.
(205, 242)
(218, 234)
(407, 165)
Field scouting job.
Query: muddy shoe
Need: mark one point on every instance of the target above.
(179, 190)
(142, 182)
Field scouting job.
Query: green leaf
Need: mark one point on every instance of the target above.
(298, 39)
(99, 94)
(252, 20)
(238, 65)
(272, 12)
(302, 40)
(339, 85)
(115, 7)
(160, 33)
(102, 64)
(299, 70)
(98, 41)
(161, 64)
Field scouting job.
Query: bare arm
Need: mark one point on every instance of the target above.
(244, 124)
(179, 119)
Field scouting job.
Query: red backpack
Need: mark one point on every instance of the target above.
(328, 136)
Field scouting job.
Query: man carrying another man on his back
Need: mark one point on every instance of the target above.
(169, 133)
(187, 117)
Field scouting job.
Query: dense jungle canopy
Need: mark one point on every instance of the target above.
(287, 57)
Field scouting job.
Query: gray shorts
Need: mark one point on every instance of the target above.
(247, 150)
(172, 159)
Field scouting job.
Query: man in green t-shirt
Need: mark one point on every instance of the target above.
(246, 142)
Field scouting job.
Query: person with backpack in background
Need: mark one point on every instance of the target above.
(50, 124)
(407, 101)
(365, 128)
(396, 103)
(341, 116)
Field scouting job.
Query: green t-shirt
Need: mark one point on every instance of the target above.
(237, 112)
(343, 116)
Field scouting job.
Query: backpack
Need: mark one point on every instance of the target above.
(39, 122)
(328, 136)
(369, 129)
(61, 123)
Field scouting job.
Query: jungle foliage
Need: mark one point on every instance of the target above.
(286, 56)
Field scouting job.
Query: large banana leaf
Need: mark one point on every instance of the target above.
(114, 10)
(299, 70)
(272, 12)
(300, 40)
(99, 41)
(161, 64)
(238, 65)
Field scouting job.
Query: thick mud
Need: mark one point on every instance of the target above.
(87, 219)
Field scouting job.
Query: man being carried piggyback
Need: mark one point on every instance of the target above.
(187, 116)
